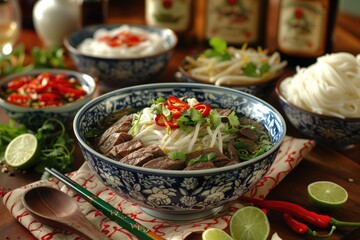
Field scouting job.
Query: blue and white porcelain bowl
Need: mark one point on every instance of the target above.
(115, 72)
(175, 194)
(328, 130)
(33, 118)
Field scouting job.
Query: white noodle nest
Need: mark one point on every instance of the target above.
(329, 87)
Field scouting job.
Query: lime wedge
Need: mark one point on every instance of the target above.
(215, 234)
(21, 151)
(326, 195)
(249, 223)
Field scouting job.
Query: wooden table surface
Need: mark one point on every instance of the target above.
(323, 163)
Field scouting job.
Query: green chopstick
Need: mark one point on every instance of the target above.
(111, 212)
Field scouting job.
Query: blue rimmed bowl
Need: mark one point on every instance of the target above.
(175, 194)
(115, 72)
(33, 118)
(329, 130)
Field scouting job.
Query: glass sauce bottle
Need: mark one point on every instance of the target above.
(174, 14)
(237, 21)
(305, 30)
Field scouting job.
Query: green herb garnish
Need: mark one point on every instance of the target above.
(202, 158)
(218, 50)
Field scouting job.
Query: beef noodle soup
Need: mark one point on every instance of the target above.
(179, 134)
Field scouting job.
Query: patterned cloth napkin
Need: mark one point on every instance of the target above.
(291, 152)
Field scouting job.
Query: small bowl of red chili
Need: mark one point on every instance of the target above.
(31, 97)
(121, 55)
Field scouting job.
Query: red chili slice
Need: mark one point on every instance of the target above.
(163, 122)
(19, 99)
(174, 102)
(15, 84)
(203, 108)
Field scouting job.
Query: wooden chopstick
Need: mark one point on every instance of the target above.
(114, 214)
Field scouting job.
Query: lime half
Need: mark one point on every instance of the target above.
(215, 234)
(327, 195)
(21, 151)
(249, 223)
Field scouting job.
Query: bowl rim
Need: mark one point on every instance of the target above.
(178, 173)
(283, 99)
(93, 28)
(63, 108)
(264, 81)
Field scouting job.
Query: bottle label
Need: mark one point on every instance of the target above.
(235, 21)
(302, 27)
(174, 14)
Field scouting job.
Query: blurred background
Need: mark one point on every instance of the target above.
(346, 24)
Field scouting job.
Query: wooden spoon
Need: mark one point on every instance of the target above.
(54, 208)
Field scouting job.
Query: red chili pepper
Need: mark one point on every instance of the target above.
(44, 90)
(319, 220)
(303, 229)
(15, 84)
(19, 99)
(122, 38)
(176, 103)
(162, 121)
(203, 108)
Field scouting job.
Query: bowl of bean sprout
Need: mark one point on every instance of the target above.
(181, 151)
(120, 55)
(323, 100)
(247, 69)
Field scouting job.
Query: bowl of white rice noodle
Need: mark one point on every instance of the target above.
(323, 100)
(251, 70)
(120, 55)
(160, 181)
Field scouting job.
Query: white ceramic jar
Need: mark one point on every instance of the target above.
(54, 19)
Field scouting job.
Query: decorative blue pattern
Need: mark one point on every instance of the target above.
(333, 131)
(180, 192)
(115, 72)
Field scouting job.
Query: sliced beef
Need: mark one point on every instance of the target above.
(232, 153)
(113, 140)
(124, 124)
(121, 150)
(250, 145)
(224, 112)
(231, 163)
(200, 166)
(165, 163)
(143, 155)
(248, 121)
(219, 160)
(249, 133)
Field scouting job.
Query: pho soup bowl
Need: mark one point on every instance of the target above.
(197, 68)
(178, 194)
(329, 130)
(58, 102)
(134, 55)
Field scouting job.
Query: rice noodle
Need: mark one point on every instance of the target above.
(194, 138)
(330, 87)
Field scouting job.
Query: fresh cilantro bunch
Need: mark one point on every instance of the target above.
(57, 147)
